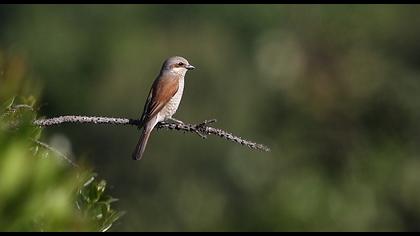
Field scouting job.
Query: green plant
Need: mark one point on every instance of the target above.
(38, 192)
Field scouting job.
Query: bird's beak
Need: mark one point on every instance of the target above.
(189, 67)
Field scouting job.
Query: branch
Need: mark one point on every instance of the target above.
(201, 129)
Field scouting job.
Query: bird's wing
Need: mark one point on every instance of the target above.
(163, 89)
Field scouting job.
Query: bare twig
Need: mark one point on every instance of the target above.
(85, 119)
(20, 106)
(202, 129)
(46, 146)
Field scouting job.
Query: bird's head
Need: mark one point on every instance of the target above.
(177, 65)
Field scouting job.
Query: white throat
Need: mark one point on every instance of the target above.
(179, 71)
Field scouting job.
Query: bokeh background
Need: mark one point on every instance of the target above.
(334, 90)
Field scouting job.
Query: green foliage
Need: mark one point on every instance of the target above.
(38, 190)
(39, 193)
(95, 205)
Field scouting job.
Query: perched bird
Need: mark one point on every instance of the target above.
(164, 98)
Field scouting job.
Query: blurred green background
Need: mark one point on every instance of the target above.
(334, 90)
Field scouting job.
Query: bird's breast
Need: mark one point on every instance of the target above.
(173, 104)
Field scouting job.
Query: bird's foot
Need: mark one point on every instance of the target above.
(173, 120)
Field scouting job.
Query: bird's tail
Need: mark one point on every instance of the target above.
(141, 145)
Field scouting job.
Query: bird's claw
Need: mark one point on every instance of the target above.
(176, 121)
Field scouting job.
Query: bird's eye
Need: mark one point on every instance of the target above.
(180, 64)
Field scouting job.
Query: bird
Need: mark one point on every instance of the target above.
(164, 98)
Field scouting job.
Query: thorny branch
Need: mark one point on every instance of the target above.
(201, 129)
